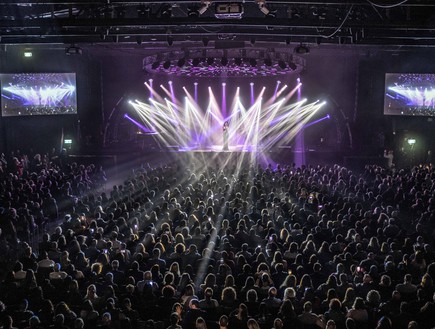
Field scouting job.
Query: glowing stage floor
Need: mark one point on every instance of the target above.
(220, 148)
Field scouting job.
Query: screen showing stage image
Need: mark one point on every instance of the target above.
(409, 94)
(25, 94)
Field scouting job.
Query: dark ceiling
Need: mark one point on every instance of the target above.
(80, 22)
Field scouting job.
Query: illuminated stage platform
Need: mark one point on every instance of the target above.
(248, 155)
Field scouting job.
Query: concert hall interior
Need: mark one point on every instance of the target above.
(217, 164)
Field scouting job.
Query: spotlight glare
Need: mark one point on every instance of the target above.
(170, 82)
(328, 116)
(195, 83)
(150, 80)
(411, 141)
(223, 84)
(278, 82)
(251, 83)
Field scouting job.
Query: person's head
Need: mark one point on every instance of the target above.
(34, 322)
(252, 324)
(335, 304)
(223, 321)
(200, 323)
(194, 303)
(106, 318)
(413, 325)
(251, 295)
(177, 308)
(308, 307)
(208, 293)
(174, 318)
(277, 323)
(331, 324)
(79, 323)
(384, 323)
(358, 304)
(350, 323)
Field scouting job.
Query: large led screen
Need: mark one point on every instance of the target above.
(409, 94)
(25, 94)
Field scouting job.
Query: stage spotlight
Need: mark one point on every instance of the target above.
(251, 84)
(198, 11)
(181, 62)
(155, 65)
(328, 116)
(253, 62)
(282, 64)
(268, 62)
(170, 82)
(195, 62)
(292, 66)
(223, 84)
(238, 61)
(224, 61)
(210, 61)
(150, 80)
(301, 49)
(167, 64)
(298, 80)
(411, 141)
(166, 11)
(195, 83)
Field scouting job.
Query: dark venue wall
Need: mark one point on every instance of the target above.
(42, 133)
(375, 131)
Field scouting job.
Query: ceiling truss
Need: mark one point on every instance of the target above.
(335, 22)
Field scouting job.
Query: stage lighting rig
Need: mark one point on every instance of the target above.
(302, 49)
(228, 10)
(262, 6)
(196, 12)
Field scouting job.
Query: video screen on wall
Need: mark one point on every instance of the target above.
(409, 94)
(25, 94)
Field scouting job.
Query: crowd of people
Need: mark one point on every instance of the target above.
(39, 110)
(253, 247)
